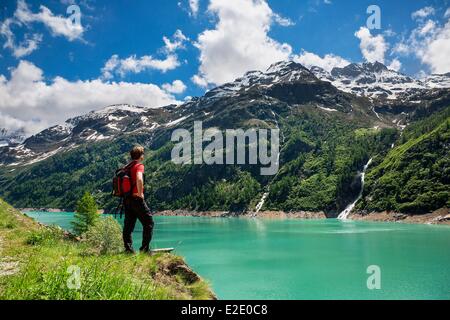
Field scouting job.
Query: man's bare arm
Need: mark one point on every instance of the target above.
(140, 185)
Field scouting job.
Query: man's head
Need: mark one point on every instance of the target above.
(137, 153)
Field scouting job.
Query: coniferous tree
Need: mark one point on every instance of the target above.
(86, 214)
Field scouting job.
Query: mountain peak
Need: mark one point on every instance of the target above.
(374, 66)
(279, 72)
(283, 66)
(354, 70)
(370, 79)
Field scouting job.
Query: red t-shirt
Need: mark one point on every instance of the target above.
(134, 170)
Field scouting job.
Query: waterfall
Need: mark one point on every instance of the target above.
(266, 194)
(261, 202)
(344, 214)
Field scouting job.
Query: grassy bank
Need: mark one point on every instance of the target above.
(39, 262)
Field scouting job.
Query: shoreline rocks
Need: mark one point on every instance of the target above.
(50, 210)
(440, 216)
(262, 214)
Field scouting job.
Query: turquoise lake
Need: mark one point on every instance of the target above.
(297, 259)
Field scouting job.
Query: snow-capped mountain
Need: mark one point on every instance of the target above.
(372, 80)
(375, 80)
(105, 124)
(278, 73)
(283, 83)
(257, 96)
(437, 81)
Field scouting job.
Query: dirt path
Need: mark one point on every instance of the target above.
(7, 264)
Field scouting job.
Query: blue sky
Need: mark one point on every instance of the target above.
(208, 42)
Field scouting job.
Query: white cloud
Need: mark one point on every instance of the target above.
(12, 124)
(176, 43)
(239, 42)
(428, 28)
(24, 48)
(328, 62)
(436, 52)
(282, 21)
(58, 25)
(27, 46)
(134, 64)
(373, 48)
(395, 65)
(194, 6)
(423, 13)
(176, 87)
(430, 43)
(26, 100)
(447, 13)
(201, 82)
(401, 48)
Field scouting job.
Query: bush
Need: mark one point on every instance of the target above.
(46, 235)
(105, 236)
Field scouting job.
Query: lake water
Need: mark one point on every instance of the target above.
(296, 259)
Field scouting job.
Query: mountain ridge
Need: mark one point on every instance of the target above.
(375, 80)
(111, 121)
(328, 135)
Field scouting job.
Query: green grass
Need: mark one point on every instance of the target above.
(46, 260)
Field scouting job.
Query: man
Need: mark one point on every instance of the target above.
(135, 206)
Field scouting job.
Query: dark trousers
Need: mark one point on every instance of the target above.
(136, 208)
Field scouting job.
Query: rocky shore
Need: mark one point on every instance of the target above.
(51, 210)
(262, 214)
(441, 216)
(305, 215)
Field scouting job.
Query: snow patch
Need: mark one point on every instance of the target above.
(177, 121)
(328, 109)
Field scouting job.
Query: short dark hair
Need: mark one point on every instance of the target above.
(136, 152)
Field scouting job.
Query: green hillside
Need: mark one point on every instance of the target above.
(321, 153)
(414, 177)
